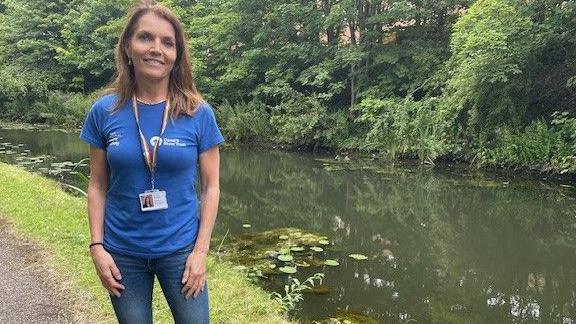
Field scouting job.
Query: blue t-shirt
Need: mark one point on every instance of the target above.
(150, 234)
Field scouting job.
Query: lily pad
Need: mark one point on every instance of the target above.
(283, 237)
(358, 256)
(258, 249)
(246, 225)
(316, 249)
(285, 257)
(297, 249)
(303, 264)
(324, 242)
(287, 269)
(332, 263)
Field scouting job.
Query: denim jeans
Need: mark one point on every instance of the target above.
(135, 303)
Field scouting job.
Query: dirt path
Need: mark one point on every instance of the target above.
(27, 291)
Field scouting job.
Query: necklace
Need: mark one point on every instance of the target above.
(150, 103)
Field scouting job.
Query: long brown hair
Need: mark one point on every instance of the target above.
(182, 93)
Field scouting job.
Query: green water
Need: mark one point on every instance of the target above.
(444, 245)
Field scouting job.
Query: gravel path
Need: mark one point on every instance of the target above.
(27, 293)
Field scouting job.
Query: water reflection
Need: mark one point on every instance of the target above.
(443, 245)
(438, 242)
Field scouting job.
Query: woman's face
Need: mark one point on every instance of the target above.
(152, 48)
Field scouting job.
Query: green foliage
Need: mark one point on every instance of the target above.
(59, 108)
(538, 145)
(566, 126)
(299, 120)
(419, 79)
(30, 34)
(244, 122)
(90, 31)
(305, 120)
(293, 291)
(490, 48)
(404, 127)
(511, 63)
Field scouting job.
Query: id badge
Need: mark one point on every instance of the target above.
(153, 200)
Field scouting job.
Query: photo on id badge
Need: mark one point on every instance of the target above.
(153, 200)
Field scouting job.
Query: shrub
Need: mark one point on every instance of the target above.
(404, 126)
(299, 120)
(244, 122)
(537, 146)
(58, 108)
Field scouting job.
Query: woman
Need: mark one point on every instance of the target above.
(146, 138)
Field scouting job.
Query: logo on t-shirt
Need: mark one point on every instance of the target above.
(166, 141)
(156, 139)
(114, 139)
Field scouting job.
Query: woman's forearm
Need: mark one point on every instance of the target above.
(96, 202)
(208, 212)
(97, 188)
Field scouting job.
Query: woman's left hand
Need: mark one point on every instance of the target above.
(194, 276)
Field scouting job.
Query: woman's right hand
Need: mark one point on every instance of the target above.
(107, 270)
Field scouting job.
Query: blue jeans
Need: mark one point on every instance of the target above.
(135, 303)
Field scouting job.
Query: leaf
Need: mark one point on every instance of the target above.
(324, 242)
(283, 237)
(316, 249)
(246, 225)
(287, 269)
(332, 263)
(297, 249)
(285, 257)
(358, 256)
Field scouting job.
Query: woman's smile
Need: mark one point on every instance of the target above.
(153, 62)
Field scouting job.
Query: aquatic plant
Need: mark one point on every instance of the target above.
(288, 269)
(293, 291)
(358, 257)
(279, 247)
(83, 178)
(285, 257)
(332, 263)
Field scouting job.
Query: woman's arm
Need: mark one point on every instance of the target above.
(97, 188)
(195, 273)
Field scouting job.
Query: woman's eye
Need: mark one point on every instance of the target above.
(168, 43)
(145, 37)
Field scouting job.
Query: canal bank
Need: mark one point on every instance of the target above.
(38, 210)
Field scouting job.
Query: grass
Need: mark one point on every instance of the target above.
(40, 211)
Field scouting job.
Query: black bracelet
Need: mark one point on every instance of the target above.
(94, 244)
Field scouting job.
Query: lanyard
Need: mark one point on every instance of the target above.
(150, 159)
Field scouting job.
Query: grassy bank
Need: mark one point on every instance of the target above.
(39, 210)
